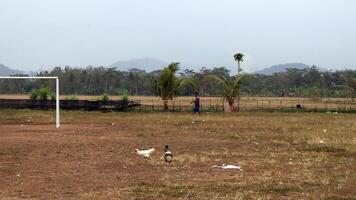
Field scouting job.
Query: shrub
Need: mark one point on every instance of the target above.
(44, 94)
(124, 97)
(105, 97)
(53, 96)
(34, 94)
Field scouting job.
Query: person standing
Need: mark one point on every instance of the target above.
(196, 103)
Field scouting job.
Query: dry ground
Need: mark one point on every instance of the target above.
(283, 155)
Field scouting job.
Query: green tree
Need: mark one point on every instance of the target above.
(167, 84)
(136, 78)
(239, 57)
(350, 85)
(230, 87)
(197, 81)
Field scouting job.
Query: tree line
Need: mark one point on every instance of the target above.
(309, 82)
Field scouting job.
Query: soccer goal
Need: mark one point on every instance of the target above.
(42, 77)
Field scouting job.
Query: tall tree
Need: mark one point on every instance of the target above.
(136, 76)
(239, 57)
(167, 84)
(350, 85)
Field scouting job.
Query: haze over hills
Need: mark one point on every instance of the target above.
(6, 71)
(151, 64)
(148, 64)
(281, 68)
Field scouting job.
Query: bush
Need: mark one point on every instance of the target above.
(53, 96)
(34, 94)
(44, 94)
(105, 97)
(124, 97)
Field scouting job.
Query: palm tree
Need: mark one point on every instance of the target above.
(230, 87)
(239, 57)
(167, 84)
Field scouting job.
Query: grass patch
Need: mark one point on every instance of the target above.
(280, 189)
(223, 188)
(161, 190)
(326, 149)
(335, 151)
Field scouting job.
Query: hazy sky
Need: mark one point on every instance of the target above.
(46, 33)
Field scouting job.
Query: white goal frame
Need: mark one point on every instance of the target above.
(58, 124)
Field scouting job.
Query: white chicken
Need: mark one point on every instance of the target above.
(145, 153)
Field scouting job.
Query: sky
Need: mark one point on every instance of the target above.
(41, 34)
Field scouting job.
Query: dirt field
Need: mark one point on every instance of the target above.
(283, 155)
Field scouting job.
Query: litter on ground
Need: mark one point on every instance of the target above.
(225, 166)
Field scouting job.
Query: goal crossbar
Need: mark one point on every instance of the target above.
(42, 77)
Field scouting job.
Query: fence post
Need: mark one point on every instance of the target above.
(223, 105)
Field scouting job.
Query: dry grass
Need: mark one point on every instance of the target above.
(216, 103)
(90, 158)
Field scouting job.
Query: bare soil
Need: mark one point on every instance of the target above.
(283, 155)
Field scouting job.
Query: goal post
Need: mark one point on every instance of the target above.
(42, 77)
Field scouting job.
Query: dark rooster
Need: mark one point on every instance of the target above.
(168, 155)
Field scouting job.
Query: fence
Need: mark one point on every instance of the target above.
(208, 104)
(218, 105)
(116, 105)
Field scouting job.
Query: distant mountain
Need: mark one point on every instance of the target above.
(6, 71)
(147, 64)
(281, 68)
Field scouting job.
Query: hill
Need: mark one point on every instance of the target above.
(6, 71)
(148, 64)
(281, 68)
